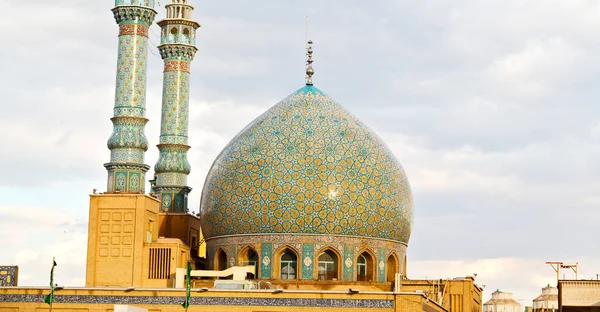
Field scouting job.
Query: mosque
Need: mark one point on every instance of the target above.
(306, 195)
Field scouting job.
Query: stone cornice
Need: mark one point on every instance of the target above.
(178, 21)
(172, 188)
(177, 51)
(134, 14)
(142, 167)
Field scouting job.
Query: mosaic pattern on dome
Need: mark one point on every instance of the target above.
(307, 166)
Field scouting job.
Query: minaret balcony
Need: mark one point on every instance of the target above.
(144, 3)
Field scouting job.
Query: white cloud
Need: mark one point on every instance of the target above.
(49, 233)
(524, 277)
(537, 67)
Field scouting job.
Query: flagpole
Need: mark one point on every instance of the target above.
(52, 285)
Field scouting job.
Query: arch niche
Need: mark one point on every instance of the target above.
(220, 260)
(392, 267)
(249, 256)
(328, 265)
(185, 36)
(286, 263)
(365, 267)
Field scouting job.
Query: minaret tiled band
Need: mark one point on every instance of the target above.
(127, 144)
(177, 50)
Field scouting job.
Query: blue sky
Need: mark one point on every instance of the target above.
(490, 106)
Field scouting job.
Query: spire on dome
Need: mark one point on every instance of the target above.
(309, 69)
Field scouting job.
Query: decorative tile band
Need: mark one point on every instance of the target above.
(133, 30)
(177, 65)
(330, 240)
(173, 139)
(381, 265)
(127, 155)
(173, 158)
(265, 261)
(169, 179)
(126, 179)
(129, 111)
(308, 253)
(128, 132)
(348, 263)
(206, 301)
(174, 199)
(308, 249)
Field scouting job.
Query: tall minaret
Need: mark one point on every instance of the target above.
(178, 37)
(127, 144)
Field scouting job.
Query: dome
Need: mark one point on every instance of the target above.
(307, 166)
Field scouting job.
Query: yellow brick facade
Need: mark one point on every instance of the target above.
(453, 294)
(124, 246)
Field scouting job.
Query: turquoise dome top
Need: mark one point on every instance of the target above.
(307, 166)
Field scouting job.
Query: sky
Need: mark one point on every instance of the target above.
(490, 106)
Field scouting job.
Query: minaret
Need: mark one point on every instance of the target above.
(178, 37)
(127, 144)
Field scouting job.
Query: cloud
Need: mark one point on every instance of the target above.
(49, 233)
(496, 273)
(539, 66)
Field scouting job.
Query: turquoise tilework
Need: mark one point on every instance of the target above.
(231, 256)
(381, 264)
(307, 166)
(175, 107)
(308, 261)
(177, 50)
(266, 260)
(349, 263)
(128, 142)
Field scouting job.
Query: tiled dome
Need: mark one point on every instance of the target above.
(307, 166)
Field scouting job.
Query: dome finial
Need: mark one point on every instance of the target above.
(309, 69)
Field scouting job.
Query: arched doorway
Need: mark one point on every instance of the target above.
(248, 256)
(364, 267)
(288, 262)
(392, 268)
(220, 260)
(328, 265)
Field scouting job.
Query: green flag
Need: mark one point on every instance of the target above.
(50, 298)
(186, 303)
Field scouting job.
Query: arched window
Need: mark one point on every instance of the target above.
(328, 265)
(288, 264)
(248, 256)
(392, 264)
(173, 35)
(364, 267)
(220, 260)
(185, 38)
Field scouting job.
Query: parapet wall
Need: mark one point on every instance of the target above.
(166, 300)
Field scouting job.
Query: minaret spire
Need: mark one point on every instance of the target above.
(178, 37)
(309, 69)
(127, 144)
